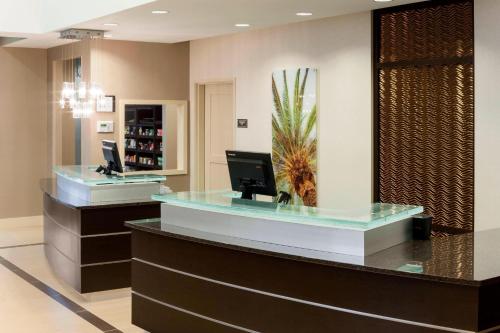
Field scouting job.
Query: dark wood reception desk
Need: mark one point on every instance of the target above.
(191, 281)
(87, 244)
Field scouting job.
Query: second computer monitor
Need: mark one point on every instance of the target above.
(112, 156)
(251, 173)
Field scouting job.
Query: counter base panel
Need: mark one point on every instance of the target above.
(105, 277)
(90, 249)
(262, 293)
(244, 310)
(154, 317)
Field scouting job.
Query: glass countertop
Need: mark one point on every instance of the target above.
(363, 218)
(49, 187)
(86, 174)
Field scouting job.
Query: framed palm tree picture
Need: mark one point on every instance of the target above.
(294, 133)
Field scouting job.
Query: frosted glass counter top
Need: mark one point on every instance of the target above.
(86, 174)
(363, 218)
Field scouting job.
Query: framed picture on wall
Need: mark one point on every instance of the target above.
(106, 104)
(294, 133)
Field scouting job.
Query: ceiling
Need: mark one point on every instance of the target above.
(195, 19)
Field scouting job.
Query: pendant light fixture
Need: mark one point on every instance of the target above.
(77, 95)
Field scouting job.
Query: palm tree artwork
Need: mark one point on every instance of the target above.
(294, 134)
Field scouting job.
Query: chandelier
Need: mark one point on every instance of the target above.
(77, 95)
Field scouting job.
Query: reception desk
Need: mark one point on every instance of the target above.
(192, 281)
(86, 242)
(185, 279)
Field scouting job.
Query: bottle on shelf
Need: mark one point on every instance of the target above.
(146, 161)
(130, 158)
(129, 130)
(130, 143)
(146, 131)
(149, 146)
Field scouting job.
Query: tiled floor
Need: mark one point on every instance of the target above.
(24, 308)
(19, 231)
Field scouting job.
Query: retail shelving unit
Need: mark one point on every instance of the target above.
(144, 139)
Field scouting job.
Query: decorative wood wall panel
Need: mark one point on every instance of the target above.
(431, 32)
(425, 109)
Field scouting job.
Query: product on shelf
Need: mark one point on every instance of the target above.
(130, 143)
(159, 132)
(130, 158)
(129, 130)
(146, 131)
(146, 161)
(149, 146)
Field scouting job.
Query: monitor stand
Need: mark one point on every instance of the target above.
(247, 188)
(106, 170)
(247, 193)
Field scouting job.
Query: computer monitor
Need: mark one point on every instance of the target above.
(111, 155)
(251, 173)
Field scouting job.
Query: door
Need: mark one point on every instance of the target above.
(219, 134)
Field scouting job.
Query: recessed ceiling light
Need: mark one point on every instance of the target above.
(304, 14)
(159, 12)
(107, 35)
(242, 25)
(382, 0)
(111, 24)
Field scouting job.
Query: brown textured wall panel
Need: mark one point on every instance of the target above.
(434, 32)
(426, 111)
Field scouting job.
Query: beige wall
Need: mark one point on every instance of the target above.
(130, 70)
(487, 114)
(340, 48)
(171, 138)
(23, 87)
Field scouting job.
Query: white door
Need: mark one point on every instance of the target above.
(219, 134)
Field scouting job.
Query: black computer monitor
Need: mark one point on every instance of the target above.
(251, 173)
(111, 155)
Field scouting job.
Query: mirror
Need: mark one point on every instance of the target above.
(153, 136)
(68, 130)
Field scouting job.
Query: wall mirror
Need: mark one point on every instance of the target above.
(67, 129)
(153, 136)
